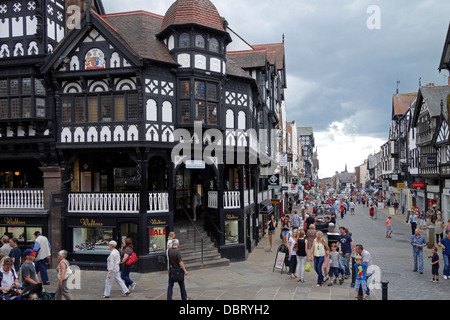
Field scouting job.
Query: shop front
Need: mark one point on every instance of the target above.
(266, 209)
(233, 247)
(87, 238)
(22, 227)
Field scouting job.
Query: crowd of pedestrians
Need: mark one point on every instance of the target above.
(307, 246)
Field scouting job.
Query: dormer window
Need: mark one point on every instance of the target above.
(185, 40)
(214, 45)
(199, 41)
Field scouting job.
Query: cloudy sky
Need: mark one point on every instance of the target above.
(344, 58)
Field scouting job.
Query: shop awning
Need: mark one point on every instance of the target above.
(266, 207)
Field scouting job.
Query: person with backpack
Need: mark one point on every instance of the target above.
(125, 253)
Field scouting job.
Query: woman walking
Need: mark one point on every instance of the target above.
(293, 253)
(125, 252)
(63, 267)
(271, 230)
(285, 228)
(318, 254)
(302, 255)
(113, 267)
(311, 235)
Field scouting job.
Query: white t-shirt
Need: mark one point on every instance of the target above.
(292, 242)
(8, 278)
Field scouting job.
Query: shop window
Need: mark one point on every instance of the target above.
(92, 240)
(22, 234)
(157, 239)
(231, 232)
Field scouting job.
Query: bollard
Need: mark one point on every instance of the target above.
(352, 285)
(384, 289)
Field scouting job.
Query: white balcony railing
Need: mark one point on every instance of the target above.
(22, 199)
(116, 202)
(213, 199)
(231, 199)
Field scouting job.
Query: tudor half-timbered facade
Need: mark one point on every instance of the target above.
(92, 106)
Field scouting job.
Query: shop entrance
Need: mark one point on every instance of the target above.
(192, 186)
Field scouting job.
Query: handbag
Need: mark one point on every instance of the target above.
(176, 274)
(69, 272)
(132, 258)
(307, 267)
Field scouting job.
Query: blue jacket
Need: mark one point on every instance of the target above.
(421, 240)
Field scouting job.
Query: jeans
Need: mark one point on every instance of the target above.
(182, 290)
(41, 268)
(318, 262)
(446, 271)
(125, 275)
(347, 263)
(292, 264)
(418, 257)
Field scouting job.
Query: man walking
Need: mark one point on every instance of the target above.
(347, 248)
(445, 245)
(295, 220)
(176, 265)
(418, 241)
(43, 249)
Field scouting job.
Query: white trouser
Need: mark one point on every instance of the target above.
(300, 270)
(109, 282)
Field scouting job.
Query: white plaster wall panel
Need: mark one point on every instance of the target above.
(31, 25)
(230, 119)
(18, 50)
(74, 63)
(167, 135)
(92, 135)
(51, 33)
(17, 27)
(98, 86)
(4, 51)
(66, 135)
(230, 138)
(151, 110)
(132, 133)
(32, 48)
(49, 48)
(119, 134)
(20, 132)
(59, 33)
(4, 28)
(125, 84)
(215, 65)
(105, 134)
(167, 88)
(166, 111)
(184, 60)
(241, 120)
(171, 43)
(152, 133)
(200, 61)
(115, 60)
(78, 135)
(31, 131)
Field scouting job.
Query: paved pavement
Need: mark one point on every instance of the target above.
(254, 279)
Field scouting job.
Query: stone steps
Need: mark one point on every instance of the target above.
(191, 247)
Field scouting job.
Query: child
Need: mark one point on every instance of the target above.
(434, 265)
(326, 265)
(361, 278)
(341, 266)
(335, 265)
(389, 227)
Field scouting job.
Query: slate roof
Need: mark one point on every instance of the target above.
(138, 28)
(199, 12)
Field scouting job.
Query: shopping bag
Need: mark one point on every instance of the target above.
(308, 267)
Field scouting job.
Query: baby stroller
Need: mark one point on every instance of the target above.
(35, 292)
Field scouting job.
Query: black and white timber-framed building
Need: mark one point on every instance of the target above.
(90, 116)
